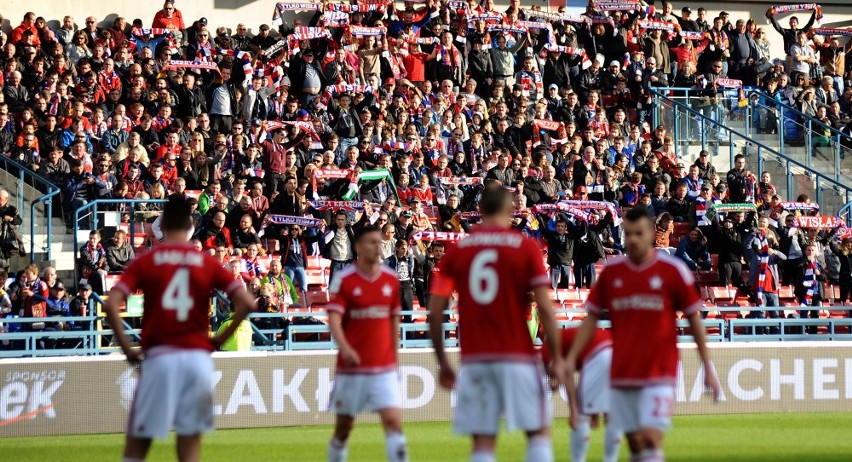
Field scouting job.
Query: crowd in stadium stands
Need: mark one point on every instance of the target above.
(446, 97)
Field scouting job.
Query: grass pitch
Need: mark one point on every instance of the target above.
(764, 437)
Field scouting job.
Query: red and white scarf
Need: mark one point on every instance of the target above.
(531, 80)
(437, 236)
(832, 31)
(578, 52)
(541, 124)
(449, 56)
(781, 9)
(810, 282)
(763, 255)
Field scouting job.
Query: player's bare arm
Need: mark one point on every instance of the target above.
(446, 374)
(584, 336)
(711, 381)
(347, 353)
(244, 304)
(396, 320)
(112, 306)
(551, 331)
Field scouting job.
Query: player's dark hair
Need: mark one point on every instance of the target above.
(176, 215)
(638, 213)
(494, 200)
(363, 231)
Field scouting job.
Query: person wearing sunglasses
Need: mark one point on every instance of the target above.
(171, 18)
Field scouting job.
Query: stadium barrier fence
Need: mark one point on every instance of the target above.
(52, 396)
(303, 331)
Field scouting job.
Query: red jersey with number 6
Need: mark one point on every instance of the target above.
(493, 270)
(643, 302)
(368, 305)
(177, 282)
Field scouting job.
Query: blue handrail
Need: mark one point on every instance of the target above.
(94, 205)
(808, 123)
(47, 199)
(799, 113)
(93, 340)
(845, 212)
(50, 190)
(761, 148)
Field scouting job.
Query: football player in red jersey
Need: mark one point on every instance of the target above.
(175, 387)
(643, 294)
(593, 392)
(364, 316)
(493, 270)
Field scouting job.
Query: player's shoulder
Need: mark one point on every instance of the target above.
(614, 264)
(340, 278)
(386, 273)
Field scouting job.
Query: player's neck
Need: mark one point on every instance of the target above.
(368, 268)
(495, 222)
(642, 258)
(176, 237)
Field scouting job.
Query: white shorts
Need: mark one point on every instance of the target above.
(175, 390)
(593, 392)
(487, 391)
(646, 407)
(356, 393)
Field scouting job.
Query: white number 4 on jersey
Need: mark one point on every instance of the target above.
(176, 297)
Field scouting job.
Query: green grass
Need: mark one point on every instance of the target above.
(762, 437)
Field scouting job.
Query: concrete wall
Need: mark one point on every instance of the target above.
(253, 13)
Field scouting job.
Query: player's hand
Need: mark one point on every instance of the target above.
(350, 357)
(134, 356)
(446, 376)
(563, 372)
(711, 382)
(573, 416)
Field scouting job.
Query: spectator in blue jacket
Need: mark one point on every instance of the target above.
(693, 250)
(115, 136)
(78, 189)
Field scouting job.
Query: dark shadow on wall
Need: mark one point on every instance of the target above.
(232, 4)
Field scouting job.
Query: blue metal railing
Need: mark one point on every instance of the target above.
(845, 212)
(94, 205)
(92, 338)
(806, 125)
(26, 176)
(662, 101)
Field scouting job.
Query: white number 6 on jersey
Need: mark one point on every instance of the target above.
(176, 297)
(483, 280)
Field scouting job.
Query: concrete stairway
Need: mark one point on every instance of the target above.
(62, 245)
(801, 181)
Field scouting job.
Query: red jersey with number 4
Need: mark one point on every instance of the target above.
(368, 305)
(643, 302)
(493, 270)
(601, 340)
(177, 282)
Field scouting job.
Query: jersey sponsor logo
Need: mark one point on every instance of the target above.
(645, 302)
(492, 239)
(26, 395)
(372, 312)
(178, 257)
(387, 290)
(126, 386)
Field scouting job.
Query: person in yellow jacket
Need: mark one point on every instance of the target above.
(241, 340)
